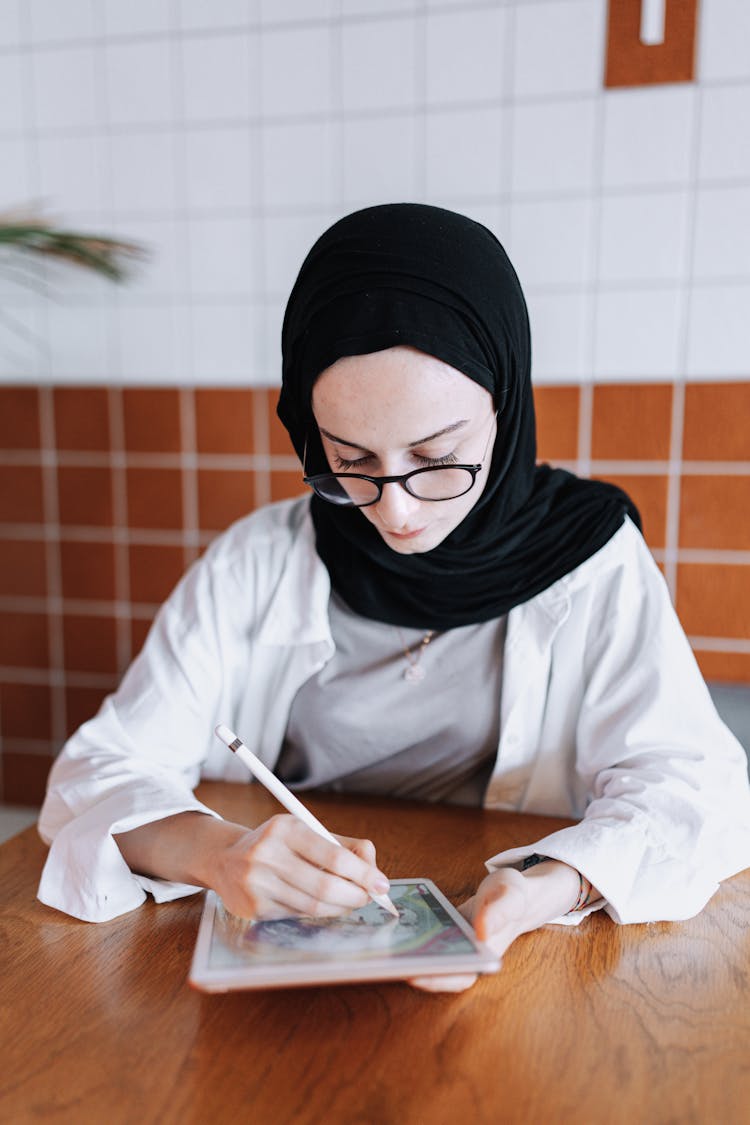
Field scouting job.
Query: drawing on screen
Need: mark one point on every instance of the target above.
(422, 927)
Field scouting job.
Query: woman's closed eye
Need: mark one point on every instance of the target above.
(360, 464)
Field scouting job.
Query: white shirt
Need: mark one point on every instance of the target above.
(604, 717)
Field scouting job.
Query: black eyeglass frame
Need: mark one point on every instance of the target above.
(402, 479)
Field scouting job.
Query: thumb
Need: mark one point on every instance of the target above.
(498, 910)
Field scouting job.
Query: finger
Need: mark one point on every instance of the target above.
(365, 849)
(496, 914)
(459, 982)
(339, 861)
(467, 908)
(307, 889)
(289, 902)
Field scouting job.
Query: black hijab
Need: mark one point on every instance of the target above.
(409, 274)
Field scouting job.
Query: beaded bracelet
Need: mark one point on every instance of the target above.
(585, 886)
(584, 891)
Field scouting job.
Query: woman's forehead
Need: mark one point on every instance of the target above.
(400, 378)
(387, 400)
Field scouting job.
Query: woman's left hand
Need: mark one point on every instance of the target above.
(496, 912)
(506, 905)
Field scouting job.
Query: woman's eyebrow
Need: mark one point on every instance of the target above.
(420, 441)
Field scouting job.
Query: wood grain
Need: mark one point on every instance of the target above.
(601, 1023)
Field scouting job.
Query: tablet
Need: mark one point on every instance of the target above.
(428, 937)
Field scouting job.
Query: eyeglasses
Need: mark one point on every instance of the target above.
(358, 490)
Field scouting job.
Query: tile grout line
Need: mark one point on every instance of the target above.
(51, 532)
(189, 477)
(584, 465)
(54, 632)
(187, 460)
(48, 443)
(262, 442)
(419, 109)
(674, 482)
(115, 398)
(121, 524)
(586, 392)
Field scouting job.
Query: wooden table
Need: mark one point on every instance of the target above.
(599, 1024)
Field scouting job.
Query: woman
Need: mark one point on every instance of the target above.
(444, 621)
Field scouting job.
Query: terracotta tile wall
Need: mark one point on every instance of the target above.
(106, 495)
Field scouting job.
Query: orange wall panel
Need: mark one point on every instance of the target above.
(715, 512)
(630, 62)
(713, 600)
(557, 422)
(717, 422)
(131, 519)
(631, 422)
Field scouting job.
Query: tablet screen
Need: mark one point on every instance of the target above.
(423, 929)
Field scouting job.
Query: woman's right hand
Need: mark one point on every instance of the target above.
(284, 868)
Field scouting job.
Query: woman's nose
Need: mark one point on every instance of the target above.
(395, 506)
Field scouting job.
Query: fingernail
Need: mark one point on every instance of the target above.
(381, 885)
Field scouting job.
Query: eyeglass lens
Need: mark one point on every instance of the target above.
(427, 484)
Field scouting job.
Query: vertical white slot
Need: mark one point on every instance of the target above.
(653, 18)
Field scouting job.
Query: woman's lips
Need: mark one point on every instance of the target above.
(405, 534)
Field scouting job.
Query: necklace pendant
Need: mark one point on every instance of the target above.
(414, 674)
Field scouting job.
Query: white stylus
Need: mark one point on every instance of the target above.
(287, 799)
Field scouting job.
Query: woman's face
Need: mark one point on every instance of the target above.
(389, 412)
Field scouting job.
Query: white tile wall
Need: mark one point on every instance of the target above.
(300, 165)
(377, 7)
(637, 334)
(380, 158)
(648, 136)
(724, 152)
(643, 236)
(378, 65)
(553, 147)
(287, 238)
(147, 341)
(279, 11)
(71, 169)
(456, 166)
(65, 91)
(143, 174)
(50, 21)
(227, 136)
(79, 339)
(165, 270)
(718, 341)
(11, 91)
(464, 55)
(222, 256)
(296, 71)
(226, 342)
(220, 77)
(21, 354)
(560, 327)
(16, 181)
(218, 168)
(549, 241)
(11, 32)
(558, 48)
(723, 43)
(143, 17)
(138, 83)
(722, 234)
(208, 15)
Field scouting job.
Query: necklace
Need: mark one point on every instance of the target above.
(414, 673)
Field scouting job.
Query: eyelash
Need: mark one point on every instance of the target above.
(344, 466)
